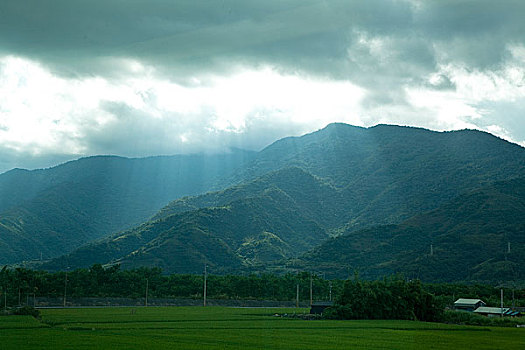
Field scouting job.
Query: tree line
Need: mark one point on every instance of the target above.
(394, 297)
(19, 286)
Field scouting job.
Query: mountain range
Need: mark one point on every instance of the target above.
(440, 206)
(478, 236)
(48, 212)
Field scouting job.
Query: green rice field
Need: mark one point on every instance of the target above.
(236, 328)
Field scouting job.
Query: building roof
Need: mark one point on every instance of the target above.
(491, 310)
(465, 302)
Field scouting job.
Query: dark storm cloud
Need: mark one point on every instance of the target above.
(380, 45)
(188, 35)
(82, 35)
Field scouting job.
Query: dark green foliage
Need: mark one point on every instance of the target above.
(391, 298)
(447, 293)
(469, 238)
(338, 180)
(253, 228)
(26, 310)
(470, 318)
(98, 281)
(389, 173)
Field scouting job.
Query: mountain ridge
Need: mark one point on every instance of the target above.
(299, 191)
(464, 239)
(112, 192)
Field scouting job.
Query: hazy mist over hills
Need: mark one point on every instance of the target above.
(49, 212)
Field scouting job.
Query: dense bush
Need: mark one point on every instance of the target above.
(26, 310)
(469, 318)
(392, 298)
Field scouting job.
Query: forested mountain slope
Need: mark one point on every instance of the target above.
(390, 173)
(299, 191)
(266, 221)
(465, 239)
(313, 196)
(53, 211)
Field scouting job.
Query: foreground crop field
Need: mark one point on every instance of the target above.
(231, 328)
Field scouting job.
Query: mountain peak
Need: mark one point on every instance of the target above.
(340, 125)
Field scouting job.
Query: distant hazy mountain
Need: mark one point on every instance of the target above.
(339, 179)
(313, 196)
(467, 238)
(55, 210)
(264, 220)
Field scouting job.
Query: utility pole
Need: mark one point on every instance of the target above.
(311, 292)
(19, 301)
(508, 247)
(65, 289)
(330, 284)
(297, 296)
(501, 302)
(205, 277)
(147, 287)
(431, 250)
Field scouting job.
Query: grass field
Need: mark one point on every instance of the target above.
(230, 328)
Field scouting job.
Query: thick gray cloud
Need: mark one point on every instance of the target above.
(305, 34)
(437, 64)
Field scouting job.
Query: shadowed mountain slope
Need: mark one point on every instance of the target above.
(390, 173)
(465, 239)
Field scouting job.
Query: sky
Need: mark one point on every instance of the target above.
(150, 77)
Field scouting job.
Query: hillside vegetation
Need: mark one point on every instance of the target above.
(390, 173)
(467, 238)
(391, 192)
(256, 228)
(52, 211)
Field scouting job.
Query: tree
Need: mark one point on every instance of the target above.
(390, 298)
